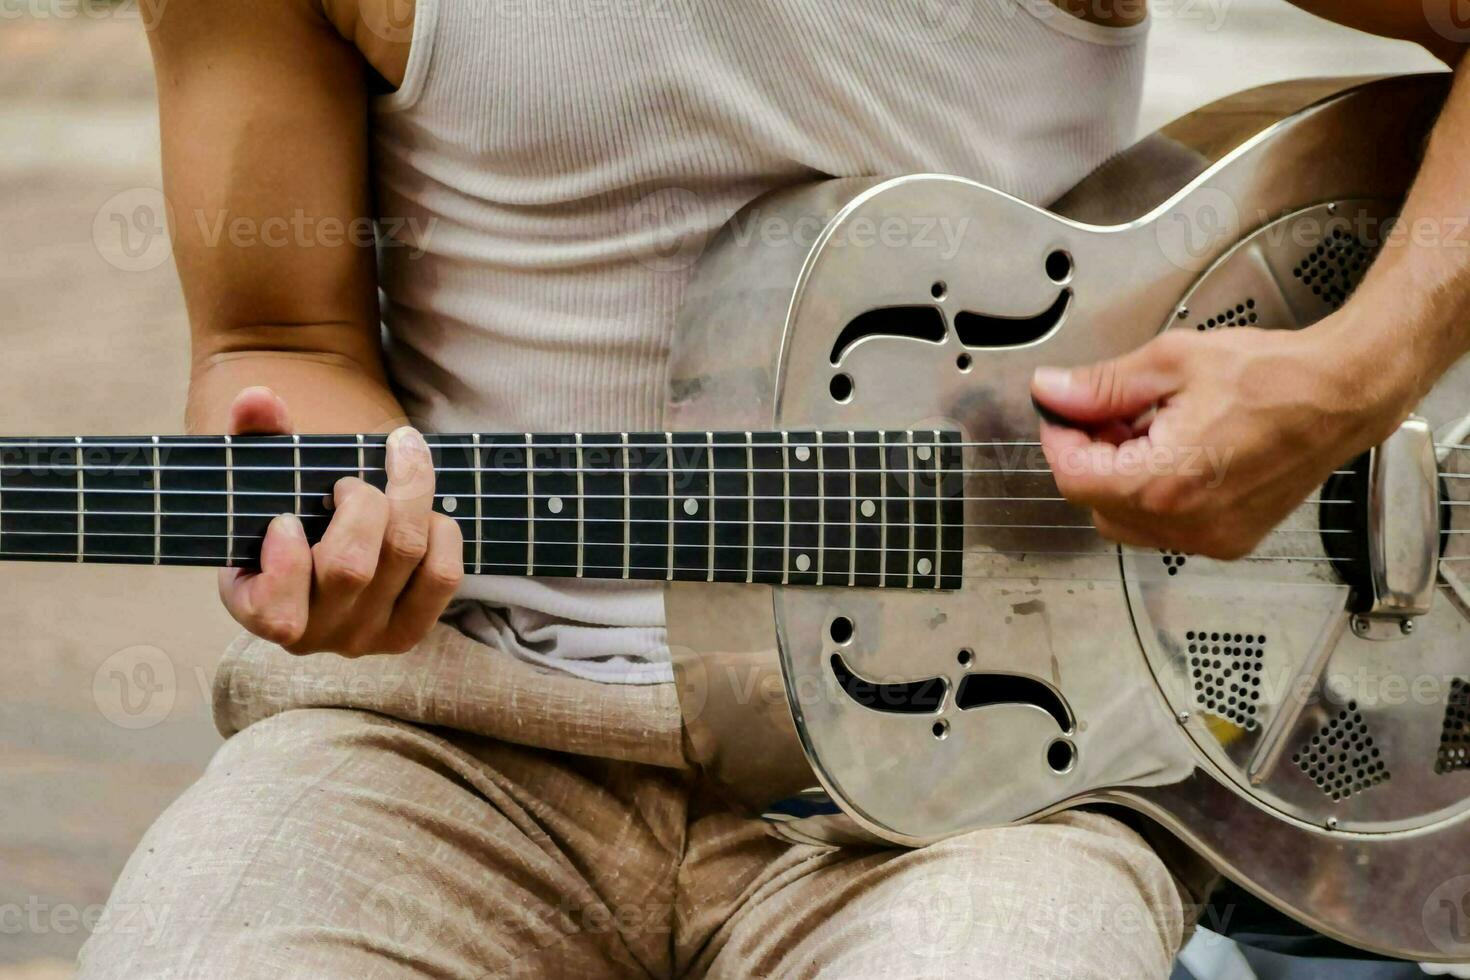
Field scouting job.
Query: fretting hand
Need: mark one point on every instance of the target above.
(381, 575)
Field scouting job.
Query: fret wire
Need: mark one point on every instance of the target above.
(362, 458)
(530, 508)
(710, 458)
(296, 466)
(229, 503)
(883, 505)
(786, 505)
(938, 508)
(581, 505)
(157, 508)
(669, 464)
(821, 468)
(909, 578)
(852, 511)
(749, 507)
(81, 502)
(627, 510)
(479, 532)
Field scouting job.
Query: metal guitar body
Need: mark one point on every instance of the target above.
(1315, 754)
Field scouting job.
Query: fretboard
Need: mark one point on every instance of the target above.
(868, 509)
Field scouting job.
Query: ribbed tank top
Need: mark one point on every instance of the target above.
(550, 159)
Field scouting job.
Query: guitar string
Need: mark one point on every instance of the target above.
(1110, 554)
(659, 471)
(614, 521)
(656, 471)
(71, 491)
(659, 571)
(377, 441)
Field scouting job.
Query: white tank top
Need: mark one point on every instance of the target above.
(545, 159)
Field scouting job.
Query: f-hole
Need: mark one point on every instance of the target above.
(919, 697)
(990, 690)
(924, 323)
(985, 330)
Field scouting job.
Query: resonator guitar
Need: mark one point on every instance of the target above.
(886, 621)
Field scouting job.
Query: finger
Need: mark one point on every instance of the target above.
(430, 589)
(258, 411)
(1119, 390)
(410, 493)
(272, 603)
(345, 560)
(1092, 473)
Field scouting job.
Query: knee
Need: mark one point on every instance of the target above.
(269, 845)
(1077, 895)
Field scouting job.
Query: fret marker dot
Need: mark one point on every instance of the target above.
(691, 506)
(925, 566)
(803, 453)
(868, 508)
(922, 452)
(554, 505)
(450, 505)
(803, 562)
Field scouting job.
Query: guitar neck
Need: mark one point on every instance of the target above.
(872, 509)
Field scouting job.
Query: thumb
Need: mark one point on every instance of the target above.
(1119, 390)
(259, 411)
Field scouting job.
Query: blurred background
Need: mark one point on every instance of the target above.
(105, 675)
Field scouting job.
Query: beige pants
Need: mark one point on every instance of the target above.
(454, 813)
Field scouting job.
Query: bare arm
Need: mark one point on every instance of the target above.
(1412, 311)
(1413, 308)
(1281, 410)
(1432, 24)
(264, 120)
